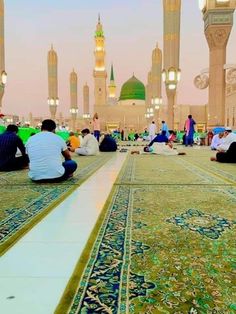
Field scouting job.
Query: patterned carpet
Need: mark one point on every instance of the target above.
(24, 203)
(166, 242)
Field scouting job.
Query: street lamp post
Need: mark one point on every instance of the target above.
(53, 103)
(3, 77)
(171, 39)
(2, 86)
(218, 21)
(157, 103)
(74, 113)
(171, 77)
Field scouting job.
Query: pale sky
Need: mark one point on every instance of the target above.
(132, 29)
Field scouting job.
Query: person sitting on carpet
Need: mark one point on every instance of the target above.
(228, 157)
(165, 149)
(89, 145)
(9, 143)
(45, 150)
(217, 140)
(172, 137)
(228, 139)
(73, 141)
(108, 144)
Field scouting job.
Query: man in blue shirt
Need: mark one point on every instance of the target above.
(9, 142)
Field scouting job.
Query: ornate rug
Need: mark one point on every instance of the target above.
(24, 203)
(160, 247)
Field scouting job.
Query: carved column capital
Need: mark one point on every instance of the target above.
(217, 36)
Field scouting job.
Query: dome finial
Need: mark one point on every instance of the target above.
(99, 18)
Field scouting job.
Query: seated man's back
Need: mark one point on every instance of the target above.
(108, 144)
(45, 152)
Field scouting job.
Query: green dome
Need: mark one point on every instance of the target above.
(132, 89)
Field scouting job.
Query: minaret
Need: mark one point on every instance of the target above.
(53, 100)
(99, 72)
(73, 99)
(31, 119)
(171, 53)
(86, 101)
(156, 75)
(112, 88)
(2, 54)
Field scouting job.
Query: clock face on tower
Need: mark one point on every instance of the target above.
(202, 4)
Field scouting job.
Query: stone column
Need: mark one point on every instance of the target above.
(171, 41)
(218, 24)
(2, 51)
(171, 98)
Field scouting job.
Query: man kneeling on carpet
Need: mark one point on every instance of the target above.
(165, 149)
(45, 150)
(89, 145)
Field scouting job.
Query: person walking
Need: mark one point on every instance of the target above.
(164, 127)
(152, 130)
(189, 128)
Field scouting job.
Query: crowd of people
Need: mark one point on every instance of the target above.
(43, 151)
(46, 154)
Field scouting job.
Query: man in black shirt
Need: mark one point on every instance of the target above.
(9, 142)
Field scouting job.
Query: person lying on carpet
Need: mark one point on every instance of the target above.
(165, 149)
(9, 144)
(45, 150)
(228, 157)
(159, 138)
(89, 145)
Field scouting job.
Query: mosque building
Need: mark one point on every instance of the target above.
(129, 109)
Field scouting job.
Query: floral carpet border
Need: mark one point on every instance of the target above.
(20, 222)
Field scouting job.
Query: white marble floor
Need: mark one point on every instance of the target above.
(35, 271)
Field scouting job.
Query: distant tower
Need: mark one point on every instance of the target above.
(2, 54)
(156, 75)
(53, 100)
(149, 90)
(99, 72)
(112, 88)
(86, 101)
(73, 99)
(31, 119)
(171, 41)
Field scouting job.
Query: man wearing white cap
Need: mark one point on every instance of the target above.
(228, 139)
